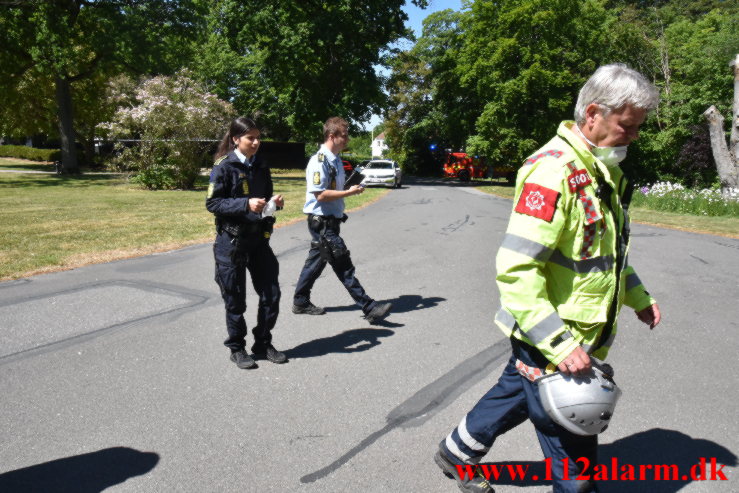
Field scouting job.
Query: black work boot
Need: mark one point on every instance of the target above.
(243, 360)
(269, 352)
(475, 484)
(309, 309)
(378, 313)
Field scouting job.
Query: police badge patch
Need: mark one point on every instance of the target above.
(244, 185)
(317, 178)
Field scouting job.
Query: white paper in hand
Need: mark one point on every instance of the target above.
(269, 209)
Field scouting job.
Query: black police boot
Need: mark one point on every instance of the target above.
(243, 360)
(269, 352)
(475, 484)
(309, 309)
(378, 313)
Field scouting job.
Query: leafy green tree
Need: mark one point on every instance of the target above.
(410, 102)
(695, 76)
(526, 59)
(293, 64)
(359, 145)
(428, 107)
(58, 53)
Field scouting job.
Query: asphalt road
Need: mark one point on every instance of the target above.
(114, 376)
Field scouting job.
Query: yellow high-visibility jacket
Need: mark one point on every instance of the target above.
(563, 261)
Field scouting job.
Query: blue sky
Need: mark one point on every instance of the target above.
(416, 15)
(415, 22)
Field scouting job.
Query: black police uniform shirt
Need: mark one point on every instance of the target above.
(233, 183)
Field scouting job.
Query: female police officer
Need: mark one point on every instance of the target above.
(240, 185)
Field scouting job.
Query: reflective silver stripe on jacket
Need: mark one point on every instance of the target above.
(504, 317)
(536, 334)
(632, 281)
(587, 266)
(524, 246)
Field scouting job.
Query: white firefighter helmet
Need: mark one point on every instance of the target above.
(583, 405)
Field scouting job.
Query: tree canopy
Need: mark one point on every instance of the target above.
(293, 64)
(58, 54)
(494, 78)
(505, 73)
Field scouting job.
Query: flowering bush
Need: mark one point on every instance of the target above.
(175, 120)
(674, 197)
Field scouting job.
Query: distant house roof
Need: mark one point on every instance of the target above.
(381, 136)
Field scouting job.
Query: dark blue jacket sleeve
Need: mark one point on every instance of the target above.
(219, 201)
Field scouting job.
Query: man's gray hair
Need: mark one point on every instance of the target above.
(613, 87)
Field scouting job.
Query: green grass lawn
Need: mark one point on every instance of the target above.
(22, 164)
(51, 222)
(719, 225)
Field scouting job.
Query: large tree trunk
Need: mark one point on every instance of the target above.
(726, 157)
(725, 165)
(66, 128)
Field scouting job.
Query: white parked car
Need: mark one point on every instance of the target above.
(382, 172)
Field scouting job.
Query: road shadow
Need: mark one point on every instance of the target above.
(86, 473)
(402, 304)
(648, 448)
(349, 341)
(412, 302)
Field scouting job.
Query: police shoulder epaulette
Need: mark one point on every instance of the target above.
(321, 156)
(219, 160)
(549, 153)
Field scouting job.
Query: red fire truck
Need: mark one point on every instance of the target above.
(463, 167)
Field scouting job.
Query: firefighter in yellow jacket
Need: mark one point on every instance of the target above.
(563, 275)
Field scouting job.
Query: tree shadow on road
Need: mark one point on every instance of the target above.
(86, 473)
(349, 341)
(648, 448)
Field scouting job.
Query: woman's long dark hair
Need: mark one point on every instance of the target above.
(238, 127)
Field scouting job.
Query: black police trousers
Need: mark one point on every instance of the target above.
(342, 266)
(260, 261)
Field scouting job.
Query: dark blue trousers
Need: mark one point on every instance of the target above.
(344, 270)
(230, 276)
(513, 400)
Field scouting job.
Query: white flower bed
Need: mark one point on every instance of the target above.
(665, 188)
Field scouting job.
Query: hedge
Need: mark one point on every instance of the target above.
(23, 152)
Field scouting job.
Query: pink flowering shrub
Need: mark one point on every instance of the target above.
(167, 124)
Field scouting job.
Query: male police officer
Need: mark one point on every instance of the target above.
(563, 275)
(325, 209)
